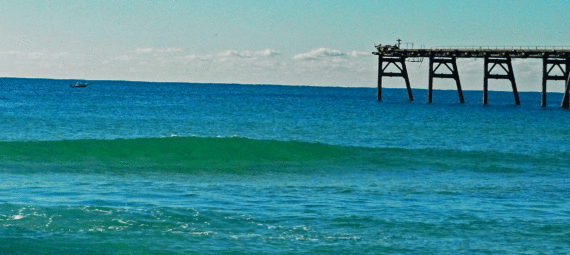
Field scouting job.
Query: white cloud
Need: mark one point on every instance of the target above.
(44, 64)
(143, 50)
(268, 53)
(125, 57)
(319, 54)
(140, 51)
(265, 56)
(357, 54)
(330, 55)
(230, 53)
(332, 67)
(319, 67)
(10, 52)
(325, 58)
(169, 50)
(248, 54)
(36, 54)
(58, 55)
(198, 57)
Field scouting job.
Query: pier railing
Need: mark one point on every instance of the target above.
(555, 47)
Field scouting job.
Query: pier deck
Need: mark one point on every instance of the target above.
(498, 57)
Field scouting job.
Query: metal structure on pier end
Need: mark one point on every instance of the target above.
(498, 58)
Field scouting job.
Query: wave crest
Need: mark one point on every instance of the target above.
(243, 154)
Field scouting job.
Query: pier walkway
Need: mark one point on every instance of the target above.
(496, 58)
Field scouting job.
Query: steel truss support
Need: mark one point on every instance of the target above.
(554, 62)
(454, 74)
(565, 100)
(509, 75)
(400, 64)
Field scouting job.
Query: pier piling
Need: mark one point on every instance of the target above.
(380, 74)
(400, 64)
(566, 98)
(509, 75)
(546, 76)
(454, 74)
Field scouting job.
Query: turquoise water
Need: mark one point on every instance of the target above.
(176, 168)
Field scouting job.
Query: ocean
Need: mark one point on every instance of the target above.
(125, 167)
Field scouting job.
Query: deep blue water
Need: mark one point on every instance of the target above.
(178, 168)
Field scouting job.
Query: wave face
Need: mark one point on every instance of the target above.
(188, 154)
(184, 153)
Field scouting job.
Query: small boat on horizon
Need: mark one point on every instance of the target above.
(78, 85)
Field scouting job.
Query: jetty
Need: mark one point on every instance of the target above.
(443, 64)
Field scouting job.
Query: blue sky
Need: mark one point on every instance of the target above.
(320, 43)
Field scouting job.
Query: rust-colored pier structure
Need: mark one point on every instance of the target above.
(443, 64)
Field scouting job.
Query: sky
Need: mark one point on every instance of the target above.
(285, 42)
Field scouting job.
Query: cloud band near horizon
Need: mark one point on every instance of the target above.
(316, 67)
